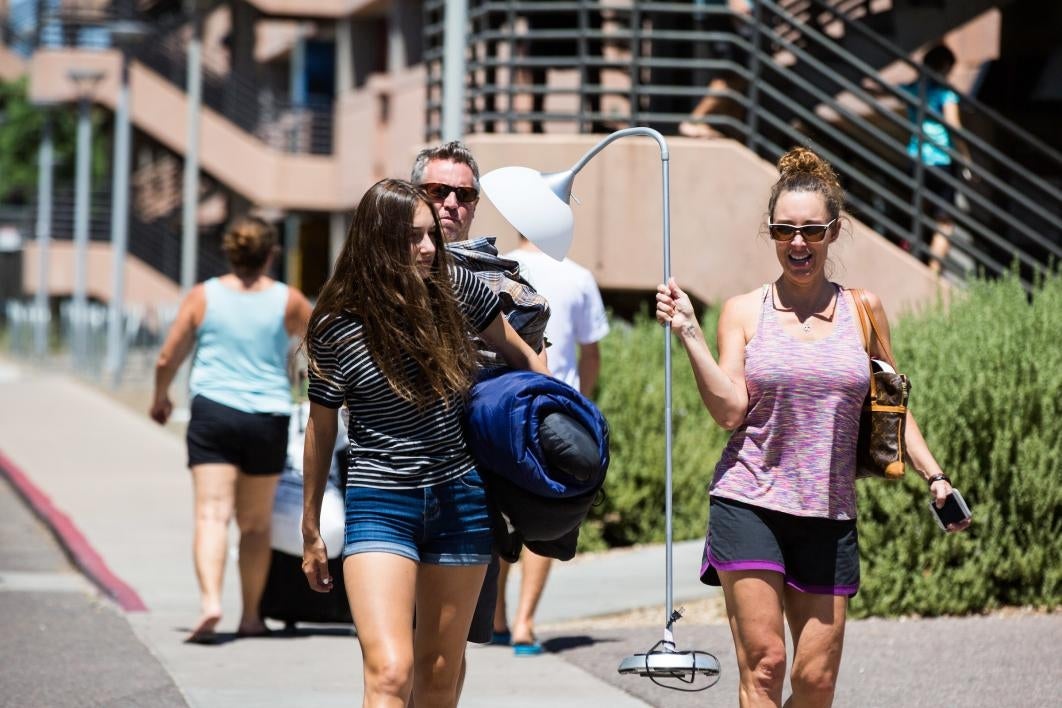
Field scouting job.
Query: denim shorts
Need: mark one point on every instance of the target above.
(446, 524)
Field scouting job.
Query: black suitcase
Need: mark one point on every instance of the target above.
(288, 596)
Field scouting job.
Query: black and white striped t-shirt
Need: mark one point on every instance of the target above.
(392, 443)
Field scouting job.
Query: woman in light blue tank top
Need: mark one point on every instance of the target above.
(790, 381)
(239, 326)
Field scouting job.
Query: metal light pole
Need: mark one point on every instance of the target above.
(46, 162)
(85, 80)
(538, 206)
(190, 185)
(455, 23)
(124, 33)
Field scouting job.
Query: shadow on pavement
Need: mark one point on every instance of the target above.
(296, 633)
(558, 645)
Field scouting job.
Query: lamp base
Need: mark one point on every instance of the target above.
(664, 661)
(684, 665)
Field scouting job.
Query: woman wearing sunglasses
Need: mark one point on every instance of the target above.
(790, 381)
(389, 339)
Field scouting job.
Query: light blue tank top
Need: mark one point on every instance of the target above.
(241, 350)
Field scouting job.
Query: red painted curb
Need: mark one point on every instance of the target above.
(81, 552)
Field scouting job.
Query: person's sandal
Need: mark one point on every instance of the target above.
(532, 648)
(503, 638)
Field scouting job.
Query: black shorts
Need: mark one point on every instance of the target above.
(944, 190)
(814, 555)
(256, 443)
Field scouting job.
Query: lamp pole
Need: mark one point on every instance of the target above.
(46, 162)
(123, 32)
(668, 526)
(455, 23)
(190, 185)
(538, 206)
(85, 80)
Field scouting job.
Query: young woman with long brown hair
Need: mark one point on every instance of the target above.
(389, 339)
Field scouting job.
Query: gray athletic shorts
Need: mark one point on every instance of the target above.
(814, 555)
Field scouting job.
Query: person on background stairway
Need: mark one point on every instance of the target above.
(931, 147)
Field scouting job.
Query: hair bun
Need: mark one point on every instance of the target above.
(801, 170)
(249, 242)
(802, 161)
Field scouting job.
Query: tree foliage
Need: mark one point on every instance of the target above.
(21, 129)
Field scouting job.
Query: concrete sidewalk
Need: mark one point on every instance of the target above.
(121, 480)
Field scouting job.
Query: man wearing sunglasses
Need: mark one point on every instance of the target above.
(450, 176)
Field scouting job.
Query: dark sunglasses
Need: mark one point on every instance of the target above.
(439, 192)
(812, 233)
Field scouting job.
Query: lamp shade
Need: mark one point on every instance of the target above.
(527, 201)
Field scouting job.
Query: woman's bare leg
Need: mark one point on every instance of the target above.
(215, 492)
(446, 599)
(754, 607)
(254, 514)
(817, 625)
(534, 570)
(381, 590)
(940, 245)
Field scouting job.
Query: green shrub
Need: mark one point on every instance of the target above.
(987, 392)
(631, 395)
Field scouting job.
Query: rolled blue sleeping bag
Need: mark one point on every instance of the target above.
(513, 431)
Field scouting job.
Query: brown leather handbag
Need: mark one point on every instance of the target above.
(881, 449)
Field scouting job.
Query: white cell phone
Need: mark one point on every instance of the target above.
(954, 510)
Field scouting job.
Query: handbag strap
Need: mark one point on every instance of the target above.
(866, 316)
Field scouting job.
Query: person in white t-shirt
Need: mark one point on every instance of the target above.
(576, 324)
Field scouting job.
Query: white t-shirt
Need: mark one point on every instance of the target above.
(577, 315)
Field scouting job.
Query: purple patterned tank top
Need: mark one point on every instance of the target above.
(796, 450)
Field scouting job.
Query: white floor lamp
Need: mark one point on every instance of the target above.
(537, 205)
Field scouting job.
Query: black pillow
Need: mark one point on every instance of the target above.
(568, 447)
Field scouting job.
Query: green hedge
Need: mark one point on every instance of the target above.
(987, 391)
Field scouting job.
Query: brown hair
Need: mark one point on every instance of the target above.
(406, 317)
(804, 171)
(248, 244)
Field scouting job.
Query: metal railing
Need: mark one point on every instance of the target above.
(1009, 216)
(157, 242)
(786, 81)
(252, 105)
(143, 330)
(256, 108)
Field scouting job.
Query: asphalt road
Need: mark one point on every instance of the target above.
(975, 662)
(61, 644)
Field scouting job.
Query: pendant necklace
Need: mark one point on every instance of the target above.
(805, 326)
